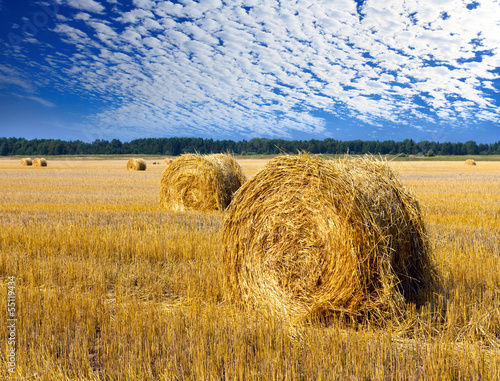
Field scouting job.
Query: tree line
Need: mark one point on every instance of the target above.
(257, 146)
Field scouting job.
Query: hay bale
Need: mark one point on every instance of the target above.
(197, 182)
(167, 161)
(470, 162)
(313, 238)
(26, 161)
(40, 162)
(136, 165)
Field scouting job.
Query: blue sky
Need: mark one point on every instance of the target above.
(304, 69)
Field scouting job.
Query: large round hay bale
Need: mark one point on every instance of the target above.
(136, 165)
(26, 161)
(40, 162)
(308, 238)
(198, 182)
(470, 162)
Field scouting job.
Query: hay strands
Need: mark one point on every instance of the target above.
(310, 238)
(40, 162)
(200, 182)
(136, 165)
(26, 161)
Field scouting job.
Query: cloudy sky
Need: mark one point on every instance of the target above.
(237, 69)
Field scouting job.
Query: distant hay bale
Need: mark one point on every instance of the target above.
(313, 238)
(26, 161)
(470, 162)
(203, 183)
(136, 165)
(167, 161)
(40, 162)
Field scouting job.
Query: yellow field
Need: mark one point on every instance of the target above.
(108, 286)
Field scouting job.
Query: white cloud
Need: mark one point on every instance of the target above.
(42, 101)
(86, 5)
(135, 15)
(144, 4)
(12, 77)
(12, 82)
(6, 80)
(82, 16)
(73, 34)
(269, 67)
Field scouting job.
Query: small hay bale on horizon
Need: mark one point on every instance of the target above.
(167, 161)
(310, 238)
(40, 162)
(200, 182)
(26, 161)
(136, 165)
(470, 162)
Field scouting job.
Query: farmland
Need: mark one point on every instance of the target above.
(108, 286)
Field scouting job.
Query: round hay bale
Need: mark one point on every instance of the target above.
(470, 162)
(40, 162)
(136, 165)
(26, 161)
(313, 238)
(167, 161)
(203, 183)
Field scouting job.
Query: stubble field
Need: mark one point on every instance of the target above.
(108, 286)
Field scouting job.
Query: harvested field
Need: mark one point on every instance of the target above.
(117, 288)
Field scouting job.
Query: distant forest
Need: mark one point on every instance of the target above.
(257, 146)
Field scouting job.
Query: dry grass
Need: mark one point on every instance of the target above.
(26, 161)
(116, 288)
(136, 165)
(198, 182)
(470, 162)
(40, 162)
(312, 238)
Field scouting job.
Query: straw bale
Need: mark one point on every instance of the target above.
(40, 162)
(470, 162)
(199, 182)
(136, 165)
(312, 238)
(26, 161)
